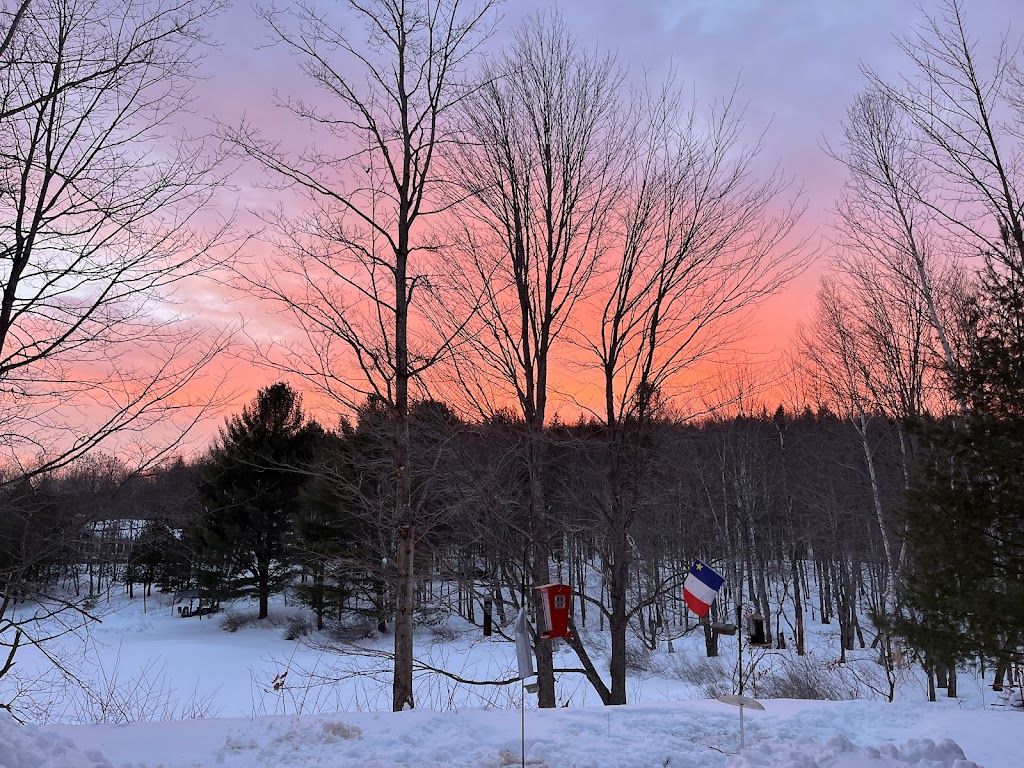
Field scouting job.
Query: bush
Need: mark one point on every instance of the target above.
(431, 615)
(444, 632)
(296, 627)
(232, 622)
(352, 630)
(638, 657)
(709, 676)
(804, 678)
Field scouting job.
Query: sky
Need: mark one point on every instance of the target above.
(798, 64)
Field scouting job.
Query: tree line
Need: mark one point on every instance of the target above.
(282, 504)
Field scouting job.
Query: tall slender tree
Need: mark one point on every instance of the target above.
(537, 181)
(358, 271)
(697, 245)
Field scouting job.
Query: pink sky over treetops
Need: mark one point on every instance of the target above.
(797, 64)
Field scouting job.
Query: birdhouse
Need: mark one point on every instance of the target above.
(555, 598)
(755, 631)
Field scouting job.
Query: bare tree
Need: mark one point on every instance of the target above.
(539, 177)
(698, 245)
(868, 345)
(883, 222)
(98, 208)
(9, 35)
(968, 116)
(357, 272)
(98, 203)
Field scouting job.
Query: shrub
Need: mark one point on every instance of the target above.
(708, 676)
(232, 622)
(638, 657)
(803, 677)
(351, 630)
(296, 627)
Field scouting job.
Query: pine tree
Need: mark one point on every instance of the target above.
(965, 515)
(327, 530)
(250, 488)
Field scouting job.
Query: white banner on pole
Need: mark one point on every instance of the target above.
(524, 654)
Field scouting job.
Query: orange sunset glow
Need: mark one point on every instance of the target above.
(791, 69)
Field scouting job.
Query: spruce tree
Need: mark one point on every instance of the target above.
(250, 488)
(327, 531)
(965, 514)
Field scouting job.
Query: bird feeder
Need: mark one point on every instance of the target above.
(555, 598)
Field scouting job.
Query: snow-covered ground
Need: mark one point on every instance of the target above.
(677, 734)
(155, 666)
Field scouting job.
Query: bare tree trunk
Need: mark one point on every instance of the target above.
(540, 570)
(618, 619)
(798, 604)
(402, 692)
(535, 181)
(345, 273)
(263, 588)
(711, 639)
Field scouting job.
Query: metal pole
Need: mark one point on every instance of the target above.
(522, 723)
(741, 728)
(739, 631)
(739, 662)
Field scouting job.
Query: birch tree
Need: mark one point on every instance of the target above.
(884, 223)
(966, 103)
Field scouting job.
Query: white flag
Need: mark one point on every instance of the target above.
(524, 654)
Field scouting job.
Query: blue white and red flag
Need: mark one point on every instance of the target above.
(701, 587)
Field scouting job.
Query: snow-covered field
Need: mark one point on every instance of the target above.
(159, 668)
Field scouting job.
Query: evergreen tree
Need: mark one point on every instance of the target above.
(965, 515)
(160, 557)
(250, 488)
(327, 530)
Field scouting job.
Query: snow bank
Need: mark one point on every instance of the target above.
(27, 746)
(153, 661)
(692, 734)
(840, 752)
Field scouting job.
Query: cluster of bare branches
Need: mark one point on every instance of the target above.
(101, 218)
(472, 216)
(356, 270)
(933, 192)
(99, 224)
